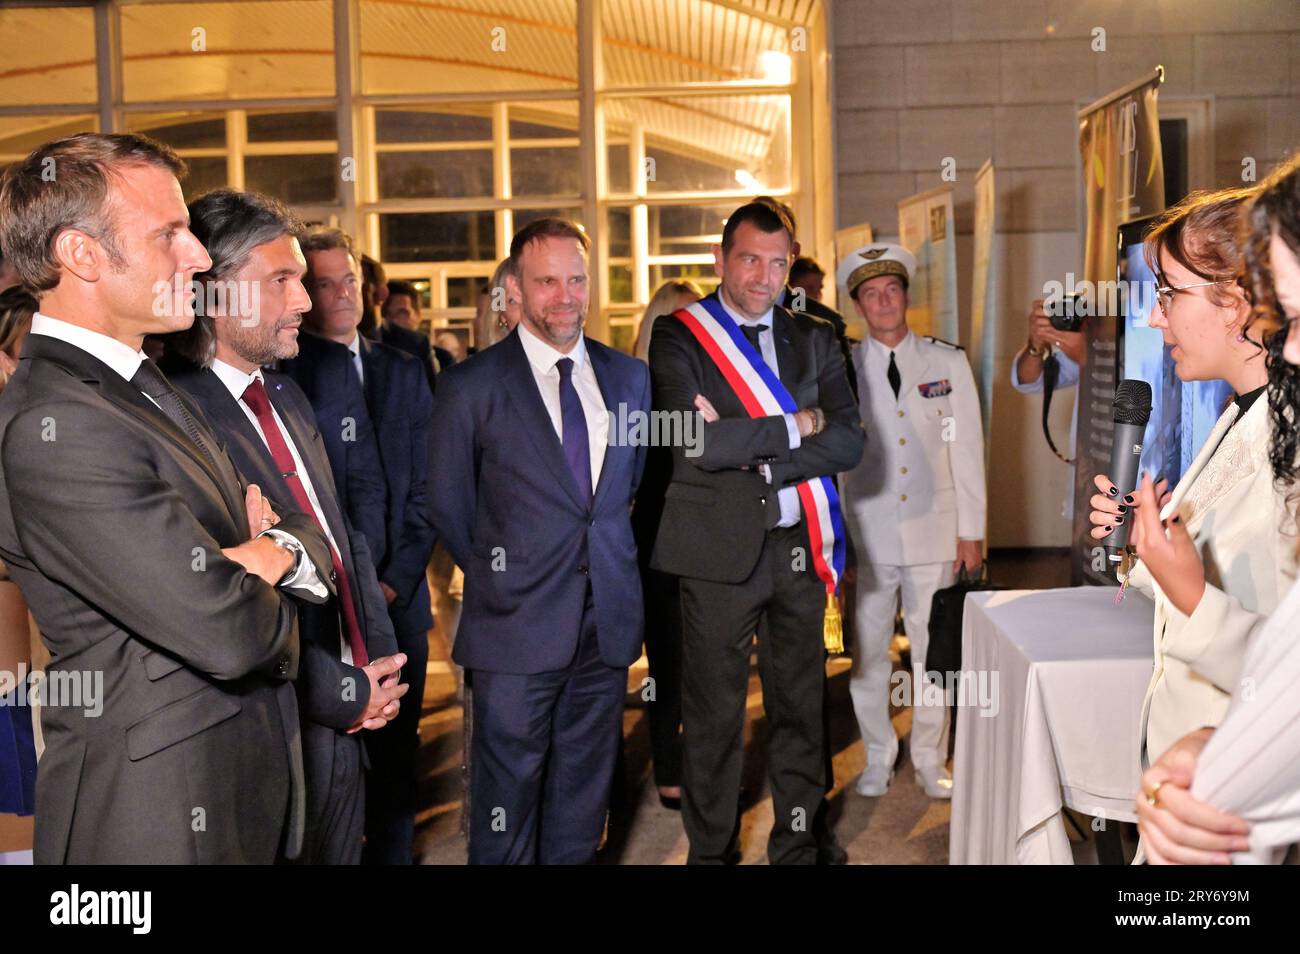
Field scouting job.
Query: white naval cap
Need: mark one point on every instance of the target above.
(873, 260)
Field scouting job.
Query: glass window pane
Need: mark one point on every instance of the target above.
(19, 135)
(470, 124)
(413, 175)
(697, 143)
(290, 127)
(620, 283)
(545, 171)
(294, 179)
(702, 274)
(619, 177)
(545, 119)
(437, 237)
(651, 43)
(206, 173)
(687, 229)
(524, 216)
(259, 48)
(464, 292)
(622, 334)
(619, 223)
(49, 56)
(463, 46)
(181, 130)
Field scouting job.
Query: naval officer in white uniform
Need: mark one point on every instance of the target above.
(915, 507)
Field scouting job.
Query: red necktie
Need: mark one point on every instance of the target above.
(257, 401)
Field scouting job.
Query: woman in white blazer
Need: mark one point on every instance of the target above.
(1232, 793)
(1222, 564)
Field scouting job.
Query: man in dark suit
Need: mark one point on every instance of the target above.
(376, 326)
(399, 403)
(733, 530)
(148, 562)
(532, 497)
(348, 679)
(400, 324)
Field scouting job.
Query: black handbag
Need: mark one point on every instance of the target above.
(943, 655)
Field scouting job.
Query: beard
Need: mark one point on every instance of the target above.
(560, 331)
(261, 343)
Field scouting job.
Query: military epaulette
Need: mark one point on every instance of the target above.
(947, 344)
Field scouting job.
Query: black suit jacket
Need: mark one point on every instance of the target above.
(112, 522)
(720, 495)
(402, 408)
(412, 343)
(331, 693)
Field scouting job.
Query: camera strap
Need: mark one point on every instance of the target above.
(1051, 371)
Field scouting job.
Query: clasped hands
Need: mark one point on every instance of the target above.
(1165, 547)
(261, 557)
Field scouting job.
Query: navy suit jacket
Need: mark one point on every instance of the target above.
(322, 695)
(401, 407)
(413, 343)
(324, 372)
(510, 513)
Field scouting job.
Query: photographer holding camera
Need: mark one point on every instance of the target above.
(1067, 347)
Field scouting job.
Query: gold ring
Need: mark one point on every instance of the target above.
(1153, 796)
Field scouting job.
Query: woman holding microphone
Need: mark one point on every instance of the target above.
(1221, 563)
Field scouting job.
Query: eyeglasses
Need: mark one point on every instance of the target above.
(1165, 293)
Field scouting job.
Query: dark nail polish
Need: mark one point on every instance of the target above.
(1110, 528)
(1112, 492)
(1123, 509)
(1119, 521)
(1128, 499)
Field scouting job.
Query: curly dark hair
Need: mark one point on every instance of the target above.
(1277, 208)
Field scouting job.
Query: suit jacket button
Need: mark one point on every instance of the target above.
(763, 501)
(334, 577)
(582, 568)
(593, 522)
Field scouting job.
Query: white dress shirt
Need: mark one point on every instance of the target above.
(237, 382)
(787, 497)
(542, 358)
(355, 347)
(126, 362)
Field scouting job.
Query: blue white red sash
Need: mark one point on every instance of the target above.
(762, 394)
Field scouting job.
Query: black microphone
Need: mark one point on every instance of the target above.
(1132, 410)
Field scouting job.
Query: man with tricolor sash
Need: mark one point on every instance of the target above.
(752, 527)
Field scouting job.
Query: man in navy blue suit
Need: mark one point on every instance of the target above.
(399, 403)
(532, 498)
(348, 678)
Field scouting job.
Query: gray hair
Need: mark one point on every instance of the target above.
(230, 224)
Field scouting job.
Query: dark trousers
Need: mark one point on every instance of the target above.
(543, 758)
(335, 797)
(392, 786)
(663, 647)
(783, 602)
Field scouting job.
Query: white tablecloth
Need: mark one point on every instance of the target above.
(1066, 671)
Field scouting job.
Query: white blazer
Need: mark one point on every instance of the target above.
(1236, 518)
(920, 484)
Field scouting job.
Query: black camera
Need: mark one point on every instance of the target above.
(1066, 314)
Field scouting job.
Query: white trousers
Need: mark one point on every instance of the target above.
(877, 591)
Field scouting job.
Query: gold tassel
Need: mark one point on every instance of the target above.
(833, 626)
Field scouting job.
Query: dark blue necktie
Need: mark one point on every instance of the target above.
(573, 430)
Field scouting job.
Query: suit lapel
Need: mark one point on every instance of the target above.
(789, 363)
(376, 378)
(522, 388)
(128, 398)
(1203, 458)
(609, 394)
